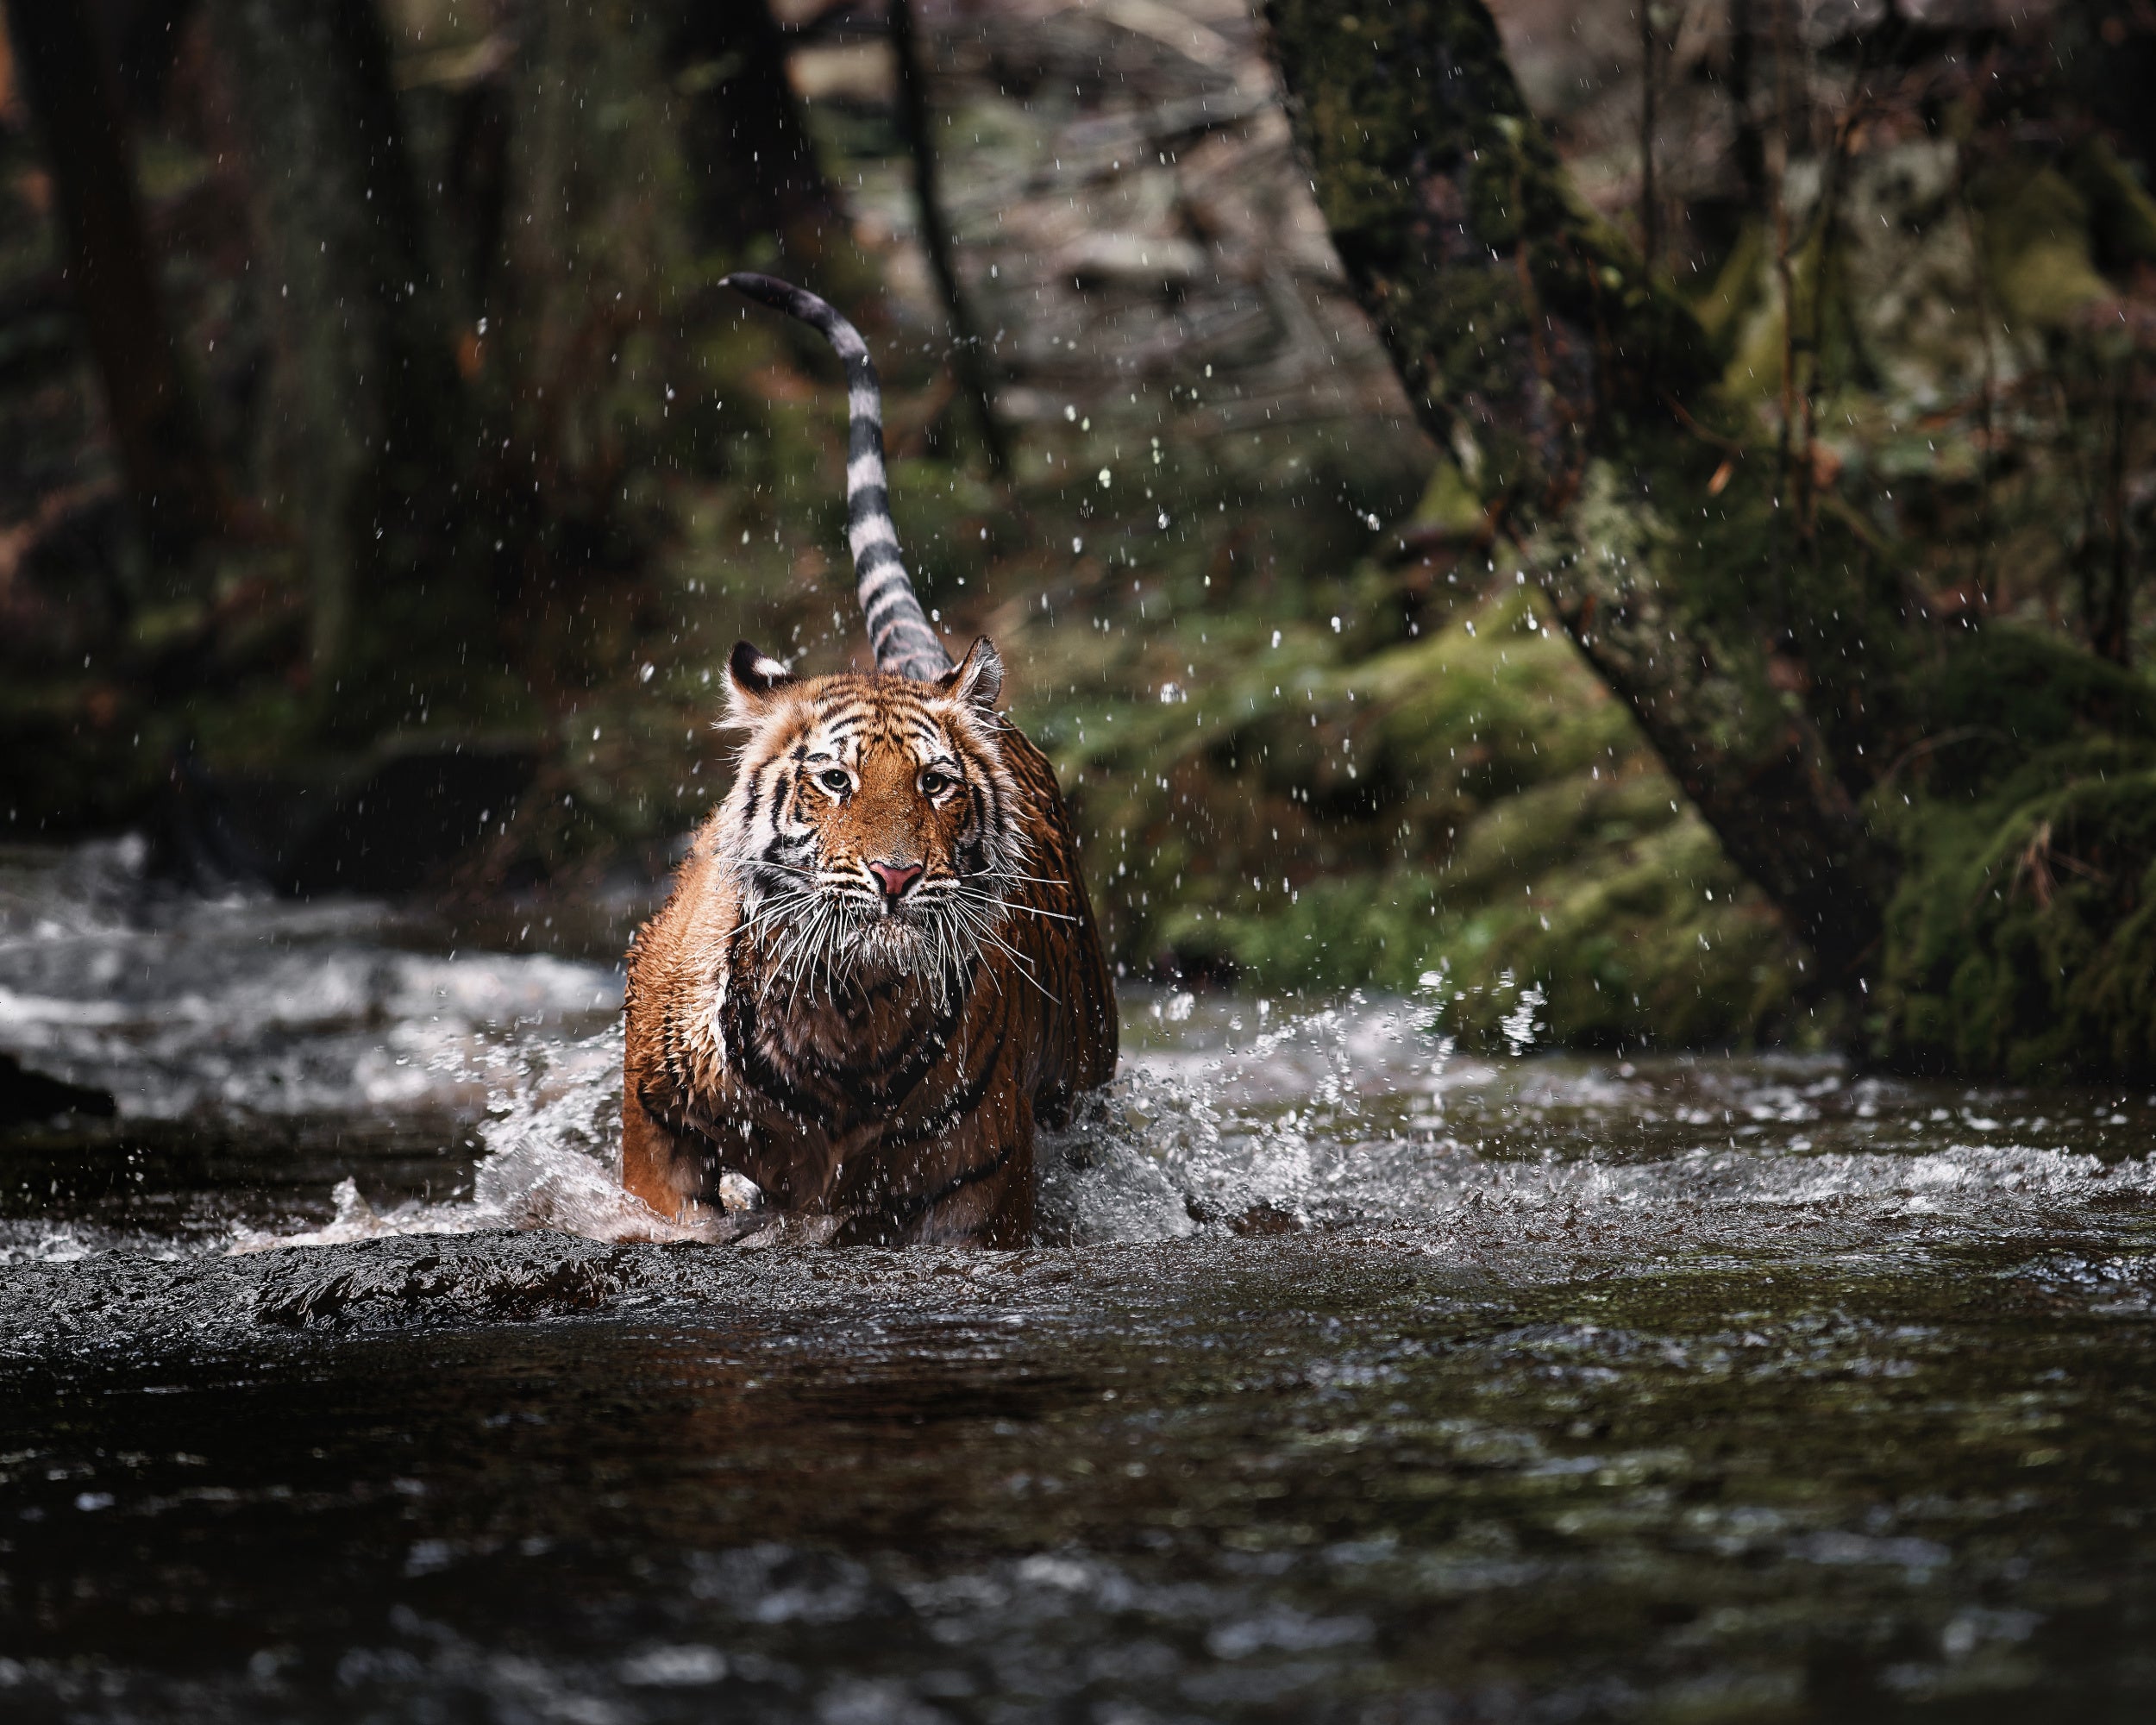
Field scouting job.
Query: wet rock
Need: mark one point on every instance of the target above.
(377, 1288)
(384, 826)
(374, 1284)
(26, 1095)
(412, 1282)
(412, 812)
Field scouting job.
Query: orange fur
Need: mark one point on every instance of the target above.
(876, 1063)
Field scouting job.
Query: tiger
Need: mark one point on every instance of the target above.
(878, 974)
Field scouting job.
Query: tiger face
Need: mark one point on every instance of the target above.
(873, 827)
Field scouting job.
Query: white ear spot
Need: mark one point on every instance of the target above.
(752, 677)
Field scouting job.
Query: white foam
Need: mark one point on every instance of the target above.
(1348, 1117)
(552, 1160)
(1229, 1113)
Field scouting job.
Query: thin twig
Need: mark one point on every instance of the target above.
(1980, 281)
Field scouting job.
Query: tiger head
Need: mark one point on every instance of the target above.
(872, 826)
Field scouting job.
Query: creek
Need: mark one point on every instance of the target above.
(1354, 1377)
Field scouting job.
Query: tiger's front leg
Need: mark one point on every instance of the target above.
(671, 1173)
(656, 1163)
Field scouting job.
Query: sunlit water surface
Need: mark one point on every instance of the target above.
(1354, 1378)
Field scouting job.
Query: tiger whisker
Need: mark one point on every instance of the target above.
(777, 905)
(782, 868)
(782, 964)
(1025, 970)
(833, 954)
(1011, 905)
(982, 930)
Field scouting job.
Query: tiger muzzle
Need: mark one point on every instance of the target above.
(897, 880)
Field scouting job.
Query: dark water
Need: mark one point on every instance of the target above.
(1365, 1382)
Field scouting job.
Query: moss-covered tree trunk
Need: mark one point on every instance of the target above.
(1572, 389)
(369, 377)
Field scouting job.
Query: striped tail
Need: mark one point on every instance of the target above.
(898, 631)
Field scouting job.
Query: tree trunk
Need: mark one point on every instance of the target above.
(969, 356)
(370, 374)
(159, 436)
(756, 166)
(1650, 204)
(1749, 146)
(1534, 344)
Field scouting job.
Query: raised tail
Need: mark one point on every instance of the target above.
(899, 630)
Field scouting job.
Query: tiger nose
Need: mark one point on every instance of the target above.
(895, 877)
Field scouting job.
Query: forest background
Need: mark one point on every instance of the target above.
(1634, 517)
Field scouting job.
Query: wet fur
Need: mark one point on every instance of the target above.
(876, 1065)
(887, 1079)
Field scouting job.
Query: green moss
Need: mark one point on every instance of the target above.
(2035, 235)
(1632, 937)
(2022, 942)
(1449, 501)
(2122, 215)
(2021, 690)
(1721, 310)
(1470, 801)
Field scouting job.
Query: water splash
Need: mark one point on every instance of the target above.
(1361, 1117)
(552, 1157)
(248, 1021)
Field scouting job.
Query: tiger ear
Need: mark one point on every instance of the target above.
(978, 678)
(753, 677)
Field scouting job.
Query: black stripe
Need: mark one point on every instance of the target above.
(811, 1099)
(911, 1209)
(964, 1102)
(796, 302)
(877, 587)
(882, 611)
(923, 656)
